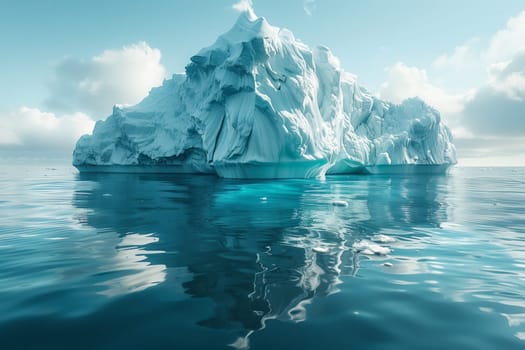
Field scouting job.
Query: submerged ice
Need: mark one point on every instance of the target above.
(259, 103)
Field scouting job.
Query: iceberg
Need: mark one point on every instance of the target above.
(259, 103)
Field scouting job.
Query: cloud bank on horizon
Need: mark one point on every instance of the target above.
(30, 129)
(81, 92)
(93, 86)
(486, 117)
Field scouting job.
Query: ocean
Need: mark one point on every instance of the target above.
(131, 261)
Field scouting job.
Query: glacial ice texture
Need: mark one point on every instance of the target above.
(261, 104)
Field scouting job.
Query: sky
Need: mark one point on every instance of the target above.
(65, 63)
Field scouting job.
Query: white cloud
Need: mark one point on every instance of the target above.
(463, 57)
(405, 81)
(498, 108)
(244, 6)
(122, 76)
(31, 129)
(475, 55)
(492, 113)
(79, 88)
(508, 41)
(309, 7)
(468, 65)
(509, 77)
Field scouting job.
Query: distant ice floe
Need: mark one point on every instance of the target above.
(339, 203)
(383, 239)
(370, 248)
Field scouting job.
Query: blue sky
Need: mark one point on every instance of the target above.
(447, 52)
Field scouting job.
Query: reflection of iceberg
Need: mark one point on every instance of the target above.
(123, 261)
(410, 200)
(138, 273)
(285, 281)
(309, 252)
(259, 251)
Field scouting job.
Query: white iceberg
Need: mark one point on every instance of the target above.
(261, 104)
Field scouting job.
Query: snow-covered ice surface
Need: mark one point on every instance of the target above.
(259, 103)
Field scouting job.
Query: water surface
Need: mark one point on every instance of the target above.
(196, 262)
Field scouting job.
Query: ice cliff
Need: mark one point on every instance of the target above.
(261, 104)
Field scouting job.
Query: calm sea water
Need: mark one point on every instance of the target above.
(179, 262)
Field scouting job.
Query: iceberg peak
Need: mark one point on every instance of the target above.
(260, 104)
(249, 23)
(247, 27)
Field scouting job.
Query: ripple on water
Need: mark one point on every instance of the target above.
(352, 261)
